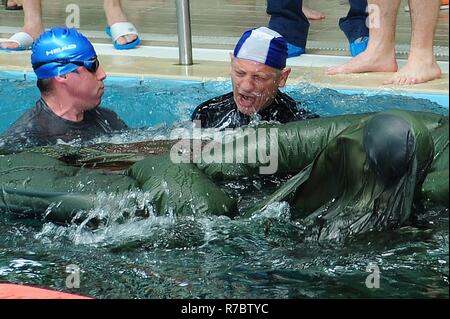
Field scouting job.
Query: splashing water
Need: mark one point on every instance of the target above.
(133, 252)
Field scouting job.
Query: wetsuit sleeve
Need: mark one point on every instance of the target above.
(22, 133)
(119, 123)
(219, 112)
(115, 123)
(200, 113)
(12, 142)
(292, 110)
(211, 112)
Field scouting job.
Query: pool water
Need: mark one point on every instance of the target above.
(215, 257)
(151, 102)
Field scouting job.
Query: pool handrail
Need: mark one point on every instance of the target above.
(184, 32)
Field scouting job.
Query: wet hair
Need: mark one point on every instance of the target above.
(45, 86)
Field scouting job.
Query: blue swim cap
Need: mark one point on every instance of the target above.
(263, 45)
(56, 48)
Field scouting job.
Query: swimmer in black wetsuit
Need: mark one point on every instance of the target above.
(41, 126)
(222, 112)
(258, 70)
(71, 84)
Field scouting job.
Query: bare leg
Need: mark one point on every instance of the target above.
(421, 66)
(114, 13)
(32, 16)
(313, 14)
(380, 53)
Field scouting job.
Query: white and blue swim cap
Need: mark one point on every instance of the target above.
(60, 51)
(263, 45)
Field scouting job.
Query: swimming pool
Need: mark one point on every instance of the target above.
(215, 257)
(146, 102)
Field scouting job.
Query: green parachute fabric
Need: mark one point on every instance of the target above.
(327, 155)
(37, 185)
(435, 188)
(31, 183)
(181, 188)
(339, 194)
(297, 143)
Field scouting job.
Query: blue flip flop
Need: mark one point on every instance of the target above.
(294, 51)
(23, 40)
(359, 46)
(121, 29)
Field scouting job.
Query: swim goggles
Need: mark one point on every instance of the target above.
(91, 65)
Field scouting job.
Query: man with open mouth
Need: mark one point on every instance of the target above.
(258, 71)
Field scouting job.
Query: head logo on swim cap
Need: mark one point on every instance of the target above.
(53, 51)
(263, 45)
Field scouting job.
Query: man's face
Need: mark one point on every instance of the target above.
(255, 84)
(87, 87)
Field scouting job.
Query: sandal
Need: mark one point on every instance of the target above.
(120, 29)
(23, 39)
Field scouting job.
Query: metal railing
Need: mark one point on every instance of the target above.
(184, 32)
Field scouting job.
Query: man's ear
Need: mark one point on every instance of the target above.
(60, 78)
(284, 76)
(231, 62)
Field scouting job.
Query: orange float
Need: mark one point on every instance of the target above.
(12, 291)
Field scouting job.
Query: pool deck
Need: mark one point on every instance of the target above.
(213, 64)
(216, 26)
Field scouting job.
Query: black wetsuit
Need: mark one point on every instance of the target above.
(40, 126)
(221, 112)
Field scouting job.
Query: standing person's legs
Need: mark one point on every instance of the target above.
(380, 53)
(421, 66)
(33, 26)
(354, 26)
(115, 14)
(288, 19)
(32, 11)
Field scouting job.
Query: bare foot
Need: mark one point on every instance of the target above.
(414, 72)
(312, 14)
(13, 5)
(368, 61)
(127, 38)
